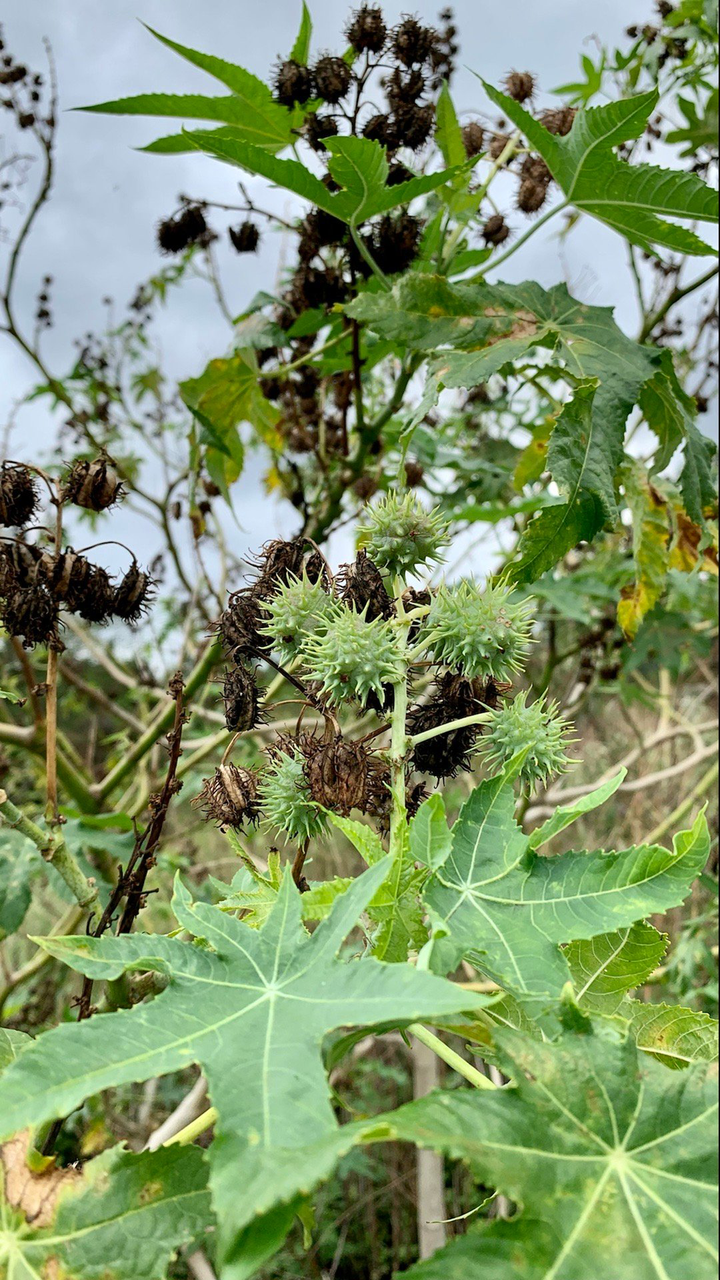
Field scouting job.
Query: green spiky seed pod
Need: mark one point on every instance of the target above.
(299, 611)
(354, 657)
(478, 633)
(540, 727)
(286, 799)
(400, 535)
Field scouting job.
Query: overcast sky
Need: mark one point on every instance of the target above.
(97, 235)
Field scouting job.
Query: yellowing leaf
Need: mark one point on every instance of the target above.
(651, 534)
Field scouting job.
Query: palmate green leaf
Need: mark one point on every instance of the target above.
(430, 839)
(697, 482)
(606, 967)
(488, 327)
(300, 51)
(611, 1160)
(635, 200)
(123, 1219)
(12, 1044)
(250, 107)
(551, 534)
(251, 1007)
(359, 165)
(511, 908)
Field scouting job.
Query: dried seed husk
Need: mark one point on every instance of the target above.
(454, 698)
(361, 586)
(93, 485)
(242, 700)
(133, 594)
(20, 565)
(239, 624)
(336, 773)
(31, 614)
(230, 797)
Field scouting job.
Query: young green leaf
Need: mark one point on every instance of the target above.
(634, 200)
(300, 51)
(551, 534)
(610, 1159)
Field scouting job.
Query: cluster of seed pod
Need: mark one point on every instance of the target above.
(341, 635)
(37, 583)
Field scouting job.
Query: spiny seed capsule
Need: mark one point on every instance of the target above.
(497, 145)
(478, 633)
(230, 797)
(242, 700)
(361, 587)
(336, 773)
(279, 562)
(404, 90)
(473, 136)
(539, 727)
(133, 594)
(293, 83)
(19, 499)
(66, 576)
(520, 85)
(353, 657)
(366, 30)
(531, 195)
(299, 611)
(495, 230)
(286, 799)
(244, 238)
(93, 485)
(332, 78)
(401, 535)
(31, 614)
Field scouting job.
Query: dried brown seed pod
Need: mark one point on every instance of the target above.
(414, 473)
(317, 128)
(279, 562)
(364, 487)
(535, 168)
(20, 565)
(176, 234)
(239, 624)
(412, 43)
(531, 195)
(366, 30)
(31, 614)
(520, 85)
(19, 498)
(336, 773)
(293, 83)
(230, 797)
(242, 700)
(95, 601)
(497, 145)
(396, 241)
(414, 124)
(381, 128)
(454, 698)
(244, 238)
(558, 120)
(404, 90)
(496, 230)
(332, 78)
(133, 594)
(66, 576)
(93, 485)
(473, 136)
(361, 586)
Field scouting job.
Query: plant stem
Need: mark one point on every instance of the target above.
(194, 1129)
(677, 294)
(463, 723)
(366, 254)
(452, 1058)
(55, 851)
(398, 731)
